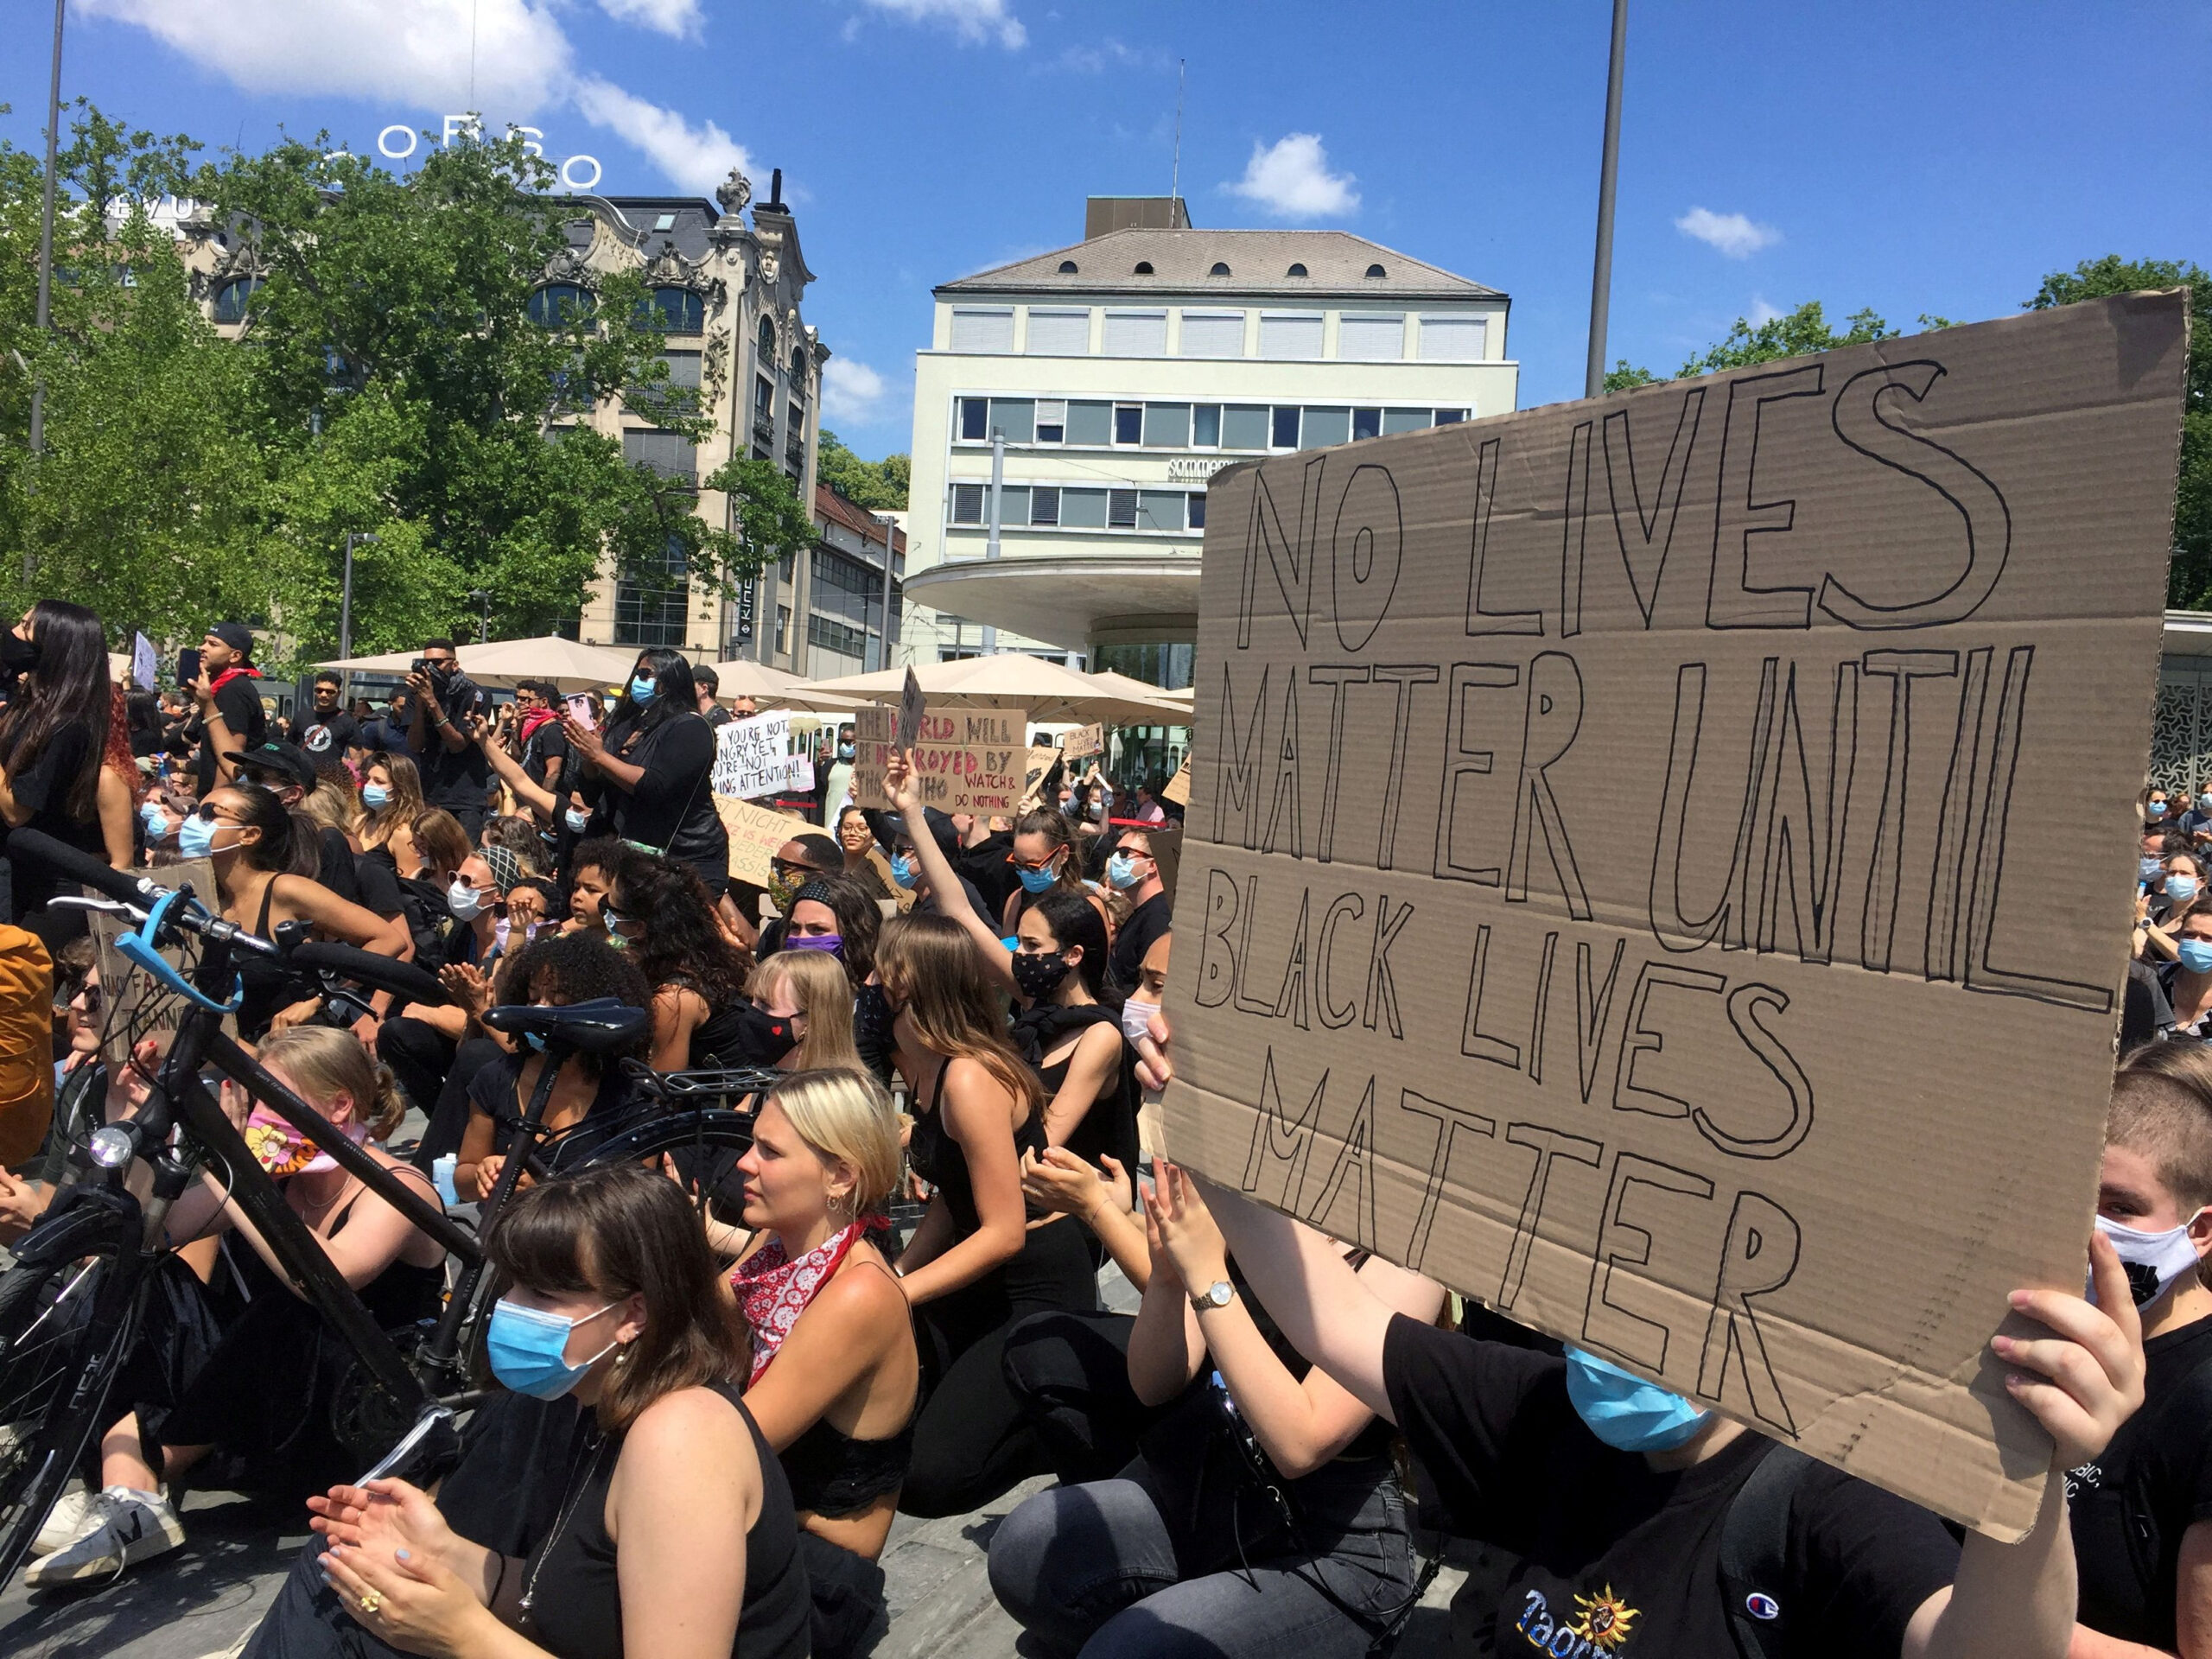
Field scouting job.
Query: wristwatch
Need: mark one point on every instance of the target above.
(1216, 1294)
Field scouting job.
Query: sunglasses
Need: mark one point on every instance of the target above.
(789, 871)
(1042, 864)
(92, 996)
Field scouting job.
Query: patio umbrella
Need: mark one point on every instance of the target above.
(775, 687)
(1136, 688)
(391, 662)
(1049, 690)
(571, 665)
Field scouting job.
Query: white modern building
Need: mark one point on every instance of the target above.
(1119, 375)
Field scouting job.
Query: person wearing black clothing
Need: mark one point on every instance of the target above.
(1132, 870)
(906, 867)
(710, 684)
(455, 775)
(144, 710)
(324, 731)
(1620, 1534)
(2142, 1510)
(54, 733)
(677, 1531)
(544, 747)
(285, 771)
(229, 713)
(646, 773)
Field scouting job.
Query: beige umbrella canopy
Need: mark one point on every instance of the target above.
(568, 665)
(1136, 688)
(740, 678)
(1050, 690)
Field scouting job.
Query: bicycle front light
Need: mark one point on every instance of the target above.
(113, 1145)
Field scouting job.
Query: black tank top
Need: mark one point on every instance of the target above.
(937, 1158)
(832, 1473)
(577, 1605)
(1108, 1128)
(267, 986)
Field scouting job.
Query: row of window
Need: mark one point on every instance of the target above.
(671, 311)
(651, 606)
(825, 633)
(1285, 335)
(1057, 507)
(1101, 424)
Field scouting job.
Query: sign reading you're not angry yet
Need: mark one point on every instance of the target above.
(1662, 865)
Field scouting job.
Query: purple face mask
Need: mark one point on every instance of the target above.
(833, 943)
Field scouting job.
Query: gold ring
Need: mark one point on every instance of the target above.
(372, 1601)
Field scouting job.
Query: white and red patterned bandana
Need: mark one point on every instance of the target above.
(773, 1290)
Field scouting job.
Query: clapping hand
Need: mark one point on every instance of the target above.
(1060, 1181)
(466, 984)
(1188, 1236)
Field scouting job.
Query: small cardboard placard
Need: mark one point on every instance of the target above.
(1034, 772)
(753, 757)
(1662, 865)
(911, 704)
(1178, 788)
(966, 760)
(125, 987)
(1083, 740)
(754, 834)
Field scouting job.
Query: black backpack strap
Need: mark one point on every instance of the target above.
(1754, 1553)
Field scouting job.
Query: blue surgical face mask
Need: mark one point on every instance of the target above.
(1039, 881)
(1625, 1412)
(904, 870)
(1122, 871)
(195, 838)
(375, 797)
(156, 821)
(2180, 887)
(2155, 809)
(529, 1350)
(464, 901)
(642, 690)
(578, 821)
(2147, 870)
(2195, 955)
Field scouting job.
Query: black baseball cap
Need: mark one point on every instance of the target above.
(274, 756)
(236, 635)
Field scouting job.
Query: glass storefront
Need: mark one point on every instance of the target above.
(1167, 666)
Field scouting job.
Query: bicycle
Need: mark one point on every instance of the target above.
(70, 1306)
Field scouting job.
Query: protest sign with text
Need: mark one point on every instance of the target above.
(752, 756)
(1663, 865)
(754, 834)
(965, 760)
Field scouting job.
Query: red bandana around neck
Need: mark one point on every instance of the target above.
(773, 1290)
(533, 719)
(230, 674)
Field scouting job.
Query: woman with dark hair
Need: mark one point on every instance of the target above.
(836, 914)
(856, 843)
(247, 833)
(676, 1534)
(554, 970)
(645, 772)
(978, 1264)
(54, 735)
(665, 919)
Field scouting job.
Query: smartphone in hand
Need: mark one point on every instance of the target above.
(579, 707)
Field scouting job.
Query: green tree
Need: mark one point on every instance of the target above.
(2188, 579)
(878, 485)
(1794, 334)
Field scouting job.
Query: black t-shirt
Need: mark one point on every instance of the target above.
(456, 779)
(985, 865)
(547, 742)
(1610, 1544)
(42, 789)
(325, 737)
(334, 866)
(239, 700)
(1147, 923)
(2130, 1508)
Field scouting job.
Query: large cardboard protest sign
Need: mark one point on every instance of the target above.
(754, 834)
(753, 757)
(1663, 865)
(965, 760)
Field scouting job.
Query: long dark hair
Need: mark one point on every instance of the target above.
(259, 809)
(930, 970)
(682, 944)
(68, 690)
(622, 1230)
(1074, 920)
(860, 919)
(675, 692)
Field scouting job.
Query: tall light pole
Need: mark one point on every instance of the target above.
(46, 253)
(484, 630)
(1601, 275)
(890, 523)
(345, 613)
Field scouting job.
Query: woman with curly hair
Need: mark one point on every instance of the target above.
(664, 917)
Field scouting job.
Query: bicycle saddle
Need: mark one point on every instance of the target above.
(593, 1027)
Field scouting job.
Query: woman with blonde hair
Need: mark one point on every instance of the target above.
(807, 990)
(834, 1368)
(264, 1396)
(979, 1264)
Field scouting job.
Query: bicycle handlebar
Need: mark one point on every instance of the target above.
(384, 973)
(79, 866)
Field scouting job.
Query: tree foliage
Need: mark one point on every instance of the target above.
(878, 485)
(389, 380)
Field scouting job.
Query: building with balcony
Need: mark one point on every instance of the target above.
(727, 297)
(1116, 376)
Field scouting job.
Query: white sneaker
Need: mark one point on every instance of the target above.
(73, 1515)
(132, 1527)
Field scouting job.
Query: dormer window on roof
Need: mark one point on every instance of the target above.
(1067, 267)
(1295, 271)
(1377, 270)
(1144, 268)
(1220, 269)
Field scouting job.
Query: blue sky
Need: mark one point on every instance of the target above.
(1915, 158)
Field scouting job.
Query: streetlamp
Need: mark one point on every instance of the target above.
(1601, 273)
(45, 256)
(477, 595)
(345, 614)
(890, 523)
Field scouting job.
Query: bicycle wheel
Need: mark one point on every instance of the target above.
(704, 1147)
(67, 1316)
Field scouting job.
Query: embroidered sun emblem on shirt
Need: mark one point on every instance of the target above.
(1605, 1619)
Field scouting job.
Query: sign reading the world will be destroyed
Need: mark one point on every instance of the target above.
(1663, 866)
(965, 760)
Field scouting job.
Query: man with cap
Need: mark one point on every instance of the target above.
(709, 683)
(285, 772)
(230, 715)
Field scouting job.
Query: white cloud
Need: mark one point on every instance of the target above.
(1730, 233)
(413, 52)
(695, 158)
(1111, 53)
(974, 21)
(1291, 179)
(679, 18)
(1762, 313)
(850, 390)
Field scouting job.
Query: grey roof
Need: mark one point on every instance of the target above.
(1258, 262)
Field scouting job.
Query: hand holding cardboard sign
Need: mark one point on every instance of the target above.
(2094, 1363)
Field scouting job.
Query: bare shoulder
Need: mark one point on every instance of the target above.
(860, 1294)
(686, 1424)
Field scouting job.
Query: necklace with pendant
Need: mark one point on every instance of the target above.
(588, 1469)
